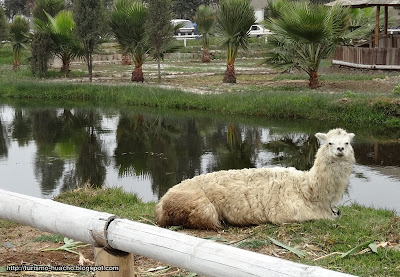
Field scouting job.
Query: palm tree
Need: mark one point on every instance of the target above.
(205, 19)
(42, 42)
(128, 20)
(304, 34)
(19, 29)
(61, 28)
(234, 20)
(51, 7)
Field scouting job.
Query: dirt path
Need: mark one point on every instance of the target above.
(18, 247)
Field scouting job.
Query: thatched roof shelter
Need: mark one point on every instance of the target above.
(370, 3)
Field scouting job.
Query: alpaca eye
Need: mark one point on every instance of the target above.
(330, 143)
(347, 143)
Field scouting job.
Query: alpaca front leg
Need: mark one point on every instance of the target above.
(336, 213)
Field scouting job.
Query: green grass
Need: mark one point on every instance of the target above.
(273, 103)
(111, 200)
(7, 224)
(6, 55)
(316, 238)
(50, 238)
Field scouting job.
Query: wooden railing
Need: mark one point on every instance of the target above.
(372, 58)
(106, 231)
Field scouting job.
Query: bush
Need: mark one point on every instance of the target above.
(4, 32)
(41, 53)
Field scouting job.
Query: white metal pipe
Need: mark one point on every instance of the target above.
(203, 256)
(198, 255)
(73, 222)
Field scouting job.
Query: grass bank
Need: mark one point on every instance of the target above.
(322, 242)
(273, 102)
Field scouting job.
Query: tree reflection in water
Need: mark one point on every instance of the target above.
(68, 149)
(166, 151)
(22, 127)
(293, 150)
(162, 150)
(239, 150)
(3, 140)
(48, 166)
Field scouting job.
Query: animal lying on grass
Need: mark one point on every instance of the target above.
(254, 196)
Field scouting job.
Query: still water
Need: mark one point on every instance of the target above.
(44, 151)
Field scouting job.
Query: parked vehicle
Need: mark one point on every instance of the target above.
(395, 30)
(187, 28)
(258, 31)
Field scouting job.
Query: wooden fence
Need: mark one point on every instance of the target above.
(372, 58)
(105, 230)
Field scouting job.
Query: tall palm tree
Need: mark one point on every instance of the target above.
(128, 25)
(205, 19)
(234, 20)
(304, 34)
(19, 29)
(66, 46)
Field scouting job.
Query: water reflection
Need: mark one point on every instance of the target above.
(240, 148)
(21, 127)
(148, 153)
(3, 141)
(296, 150)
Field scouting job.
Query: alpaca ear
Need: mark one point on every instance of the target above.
(321, 137)
(351, 135)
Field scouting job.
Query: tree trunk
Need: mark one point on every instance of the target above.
(206, 56)
(65, 67)
(159, 66)
(15, 65)
(137, 74)
(89, 59)
(313, 82)
(229, 76)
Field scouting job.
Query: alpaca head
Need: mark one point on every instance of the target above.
(336, 143)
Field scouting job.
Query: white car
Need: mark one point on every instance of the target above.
(187, 28)
(258, 31)
(395, 30)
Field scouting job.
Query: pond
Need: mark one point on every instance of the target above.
(46, 150)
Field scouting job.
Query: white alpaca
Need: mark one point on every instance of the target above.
(255, 196)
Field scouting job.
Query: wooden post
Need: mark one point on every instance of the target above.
(104, 258)
(378, 11)
(386, 20)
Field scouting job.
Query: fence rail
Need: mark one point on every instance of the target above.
(373, 58)
(103, 229)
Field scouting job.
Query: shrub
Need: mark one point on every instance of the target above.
(41, 53)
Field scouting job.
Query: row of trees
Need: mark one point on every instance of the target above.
(142, 30)
(138, 36)
(303, 33)
(181, 8)
(56, 33)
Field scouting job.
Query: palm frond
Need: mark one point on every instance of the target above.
(205, 18)
(234, 20)
(304, 34)
(127, 22)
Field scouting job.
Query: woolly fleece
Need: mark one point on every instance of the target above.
(254, 196)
